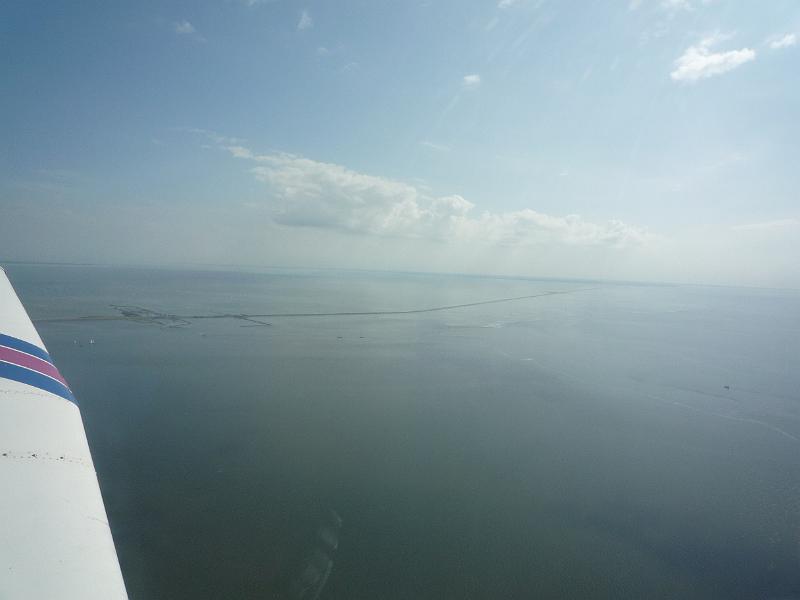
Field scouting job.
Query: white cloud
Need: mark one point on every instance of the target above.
(699, 62)
(506, 3)
(671, 6)
(471, 81)
(184, 28)
(435, 146)
(305, 22)
(790, 39)
(215, 137)
(308, 193)
(676, 4)
(350, 67)
(240, 152)
(777, 224)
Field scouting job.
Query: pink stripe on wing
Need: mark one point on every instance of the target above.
(15, 357)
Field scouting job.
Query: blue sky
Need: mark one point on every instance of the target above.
(651, 139)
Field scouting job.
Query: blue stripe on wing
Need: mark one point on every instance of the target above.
(23, 346)
(43, 382)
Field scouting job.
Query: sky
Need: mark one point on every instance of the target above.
(652, 140)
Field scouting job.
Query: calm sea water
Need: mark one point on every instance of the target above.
(619, 441)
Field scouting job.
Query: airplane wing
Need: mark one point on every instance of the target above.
(55, 541)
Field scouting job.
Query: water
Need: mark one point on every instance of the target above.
(618, 441)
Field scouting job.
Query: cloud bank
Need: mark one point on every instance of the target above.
(309, 193)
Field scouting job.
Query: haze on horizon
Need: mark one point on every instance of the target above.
(650, 140)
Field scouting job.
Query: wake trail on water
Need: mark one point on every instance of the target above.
(727, 417)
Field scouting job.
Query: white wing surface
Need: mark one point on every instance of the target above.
(54, 536)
